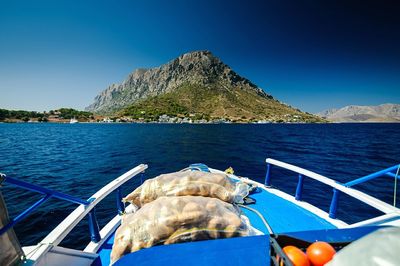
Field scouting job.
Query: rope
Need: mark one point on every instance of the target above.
(395, 186)
(260, 215)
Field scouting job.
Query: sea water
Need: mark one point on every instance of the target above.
(79, 159)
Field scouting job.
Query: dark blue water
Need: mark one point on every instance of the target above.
(79, 159)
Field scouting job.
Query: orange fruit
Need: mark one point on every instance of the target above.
(320, 253)
(296, 256)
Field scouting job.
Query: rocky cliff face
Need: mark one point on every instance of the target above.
(196, 86)
(197, 68)
(356, 113)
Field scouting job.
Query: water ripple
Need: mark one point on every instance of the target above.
(79, 159)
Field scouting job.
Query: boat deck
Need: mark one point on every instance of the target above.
(282, 215)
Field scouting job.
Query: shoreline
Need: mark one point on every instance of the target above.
(194, 123)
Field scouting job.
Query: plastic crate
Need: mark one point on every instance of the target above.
(278, 242)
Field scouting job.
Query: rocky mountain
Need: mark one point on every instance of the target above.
(196, 84)
(355, 113)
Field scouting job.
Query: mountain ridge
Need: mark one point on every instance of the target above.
(194, 74)
(387, 112)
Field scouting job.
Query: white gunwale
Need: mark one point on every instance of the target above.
(369, 200)
(58, 234)
(388, 210)
(51, 241)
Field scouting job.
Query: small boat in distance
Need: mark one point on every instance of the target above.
(73, 121)
(107, 120)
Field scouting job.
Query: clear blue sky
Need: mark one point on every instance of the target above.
(310, 54)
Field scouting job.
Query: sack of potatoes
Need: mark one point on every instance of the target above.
(169, 220)
(193, 183)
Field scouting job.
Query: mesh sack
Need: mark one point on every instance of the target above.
(193, 183)
(169, 220)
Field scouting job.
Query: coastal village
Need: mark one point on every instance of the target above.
(72, 116)
(208, 92)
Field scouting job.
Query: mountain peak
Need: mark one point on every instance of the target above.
(198, 53)
(199, 83)
(198, 60)
(197, 67)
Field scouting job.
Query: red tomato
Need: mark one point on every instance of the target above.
(320, 253)
(296, 256)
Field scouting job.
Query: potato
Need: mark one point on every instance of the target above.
(120, 246)
(174, 201)
(219, 179)
(216, 223)
(191, 217)
(232, 219)
(204, 189)
(162, 231)
(211, 206)
(191, 207)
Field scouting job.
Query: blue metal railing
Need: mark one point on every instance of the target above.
(93, 224)
(49, 193)
(267, 181)
(45, 191)
(387, 172)
(334, 204)
(299, 188)
(335, 197)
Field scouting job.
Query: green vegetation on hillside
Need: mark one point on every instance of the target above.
(216, 102)
(68, 113)
(153, 107)
(20, 114)
(63, 113)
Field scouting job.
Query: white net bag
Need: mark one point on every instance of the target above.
(194, 183)
(169, 220)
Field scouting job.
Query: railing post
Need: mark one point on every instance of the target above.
(120, 204)
(93, 225)
(141, 177)
(299, 189)
(268, 176)
(334, 203)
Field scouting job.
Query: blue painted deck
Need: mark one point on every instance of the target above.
(105, 252)
(283, 216)
(249, 251)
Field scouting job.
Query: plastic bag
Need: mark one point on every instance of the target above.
(377, 248)
(170, 220)
(194, 183)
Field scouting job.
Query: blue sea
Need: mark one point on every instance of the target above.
(79, 159)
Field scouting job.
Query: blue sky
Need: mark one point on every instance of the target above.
(312, 55)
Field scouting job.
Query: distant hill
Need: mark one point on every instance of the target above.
(355, 113)
(60, 115)
(198, 85)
